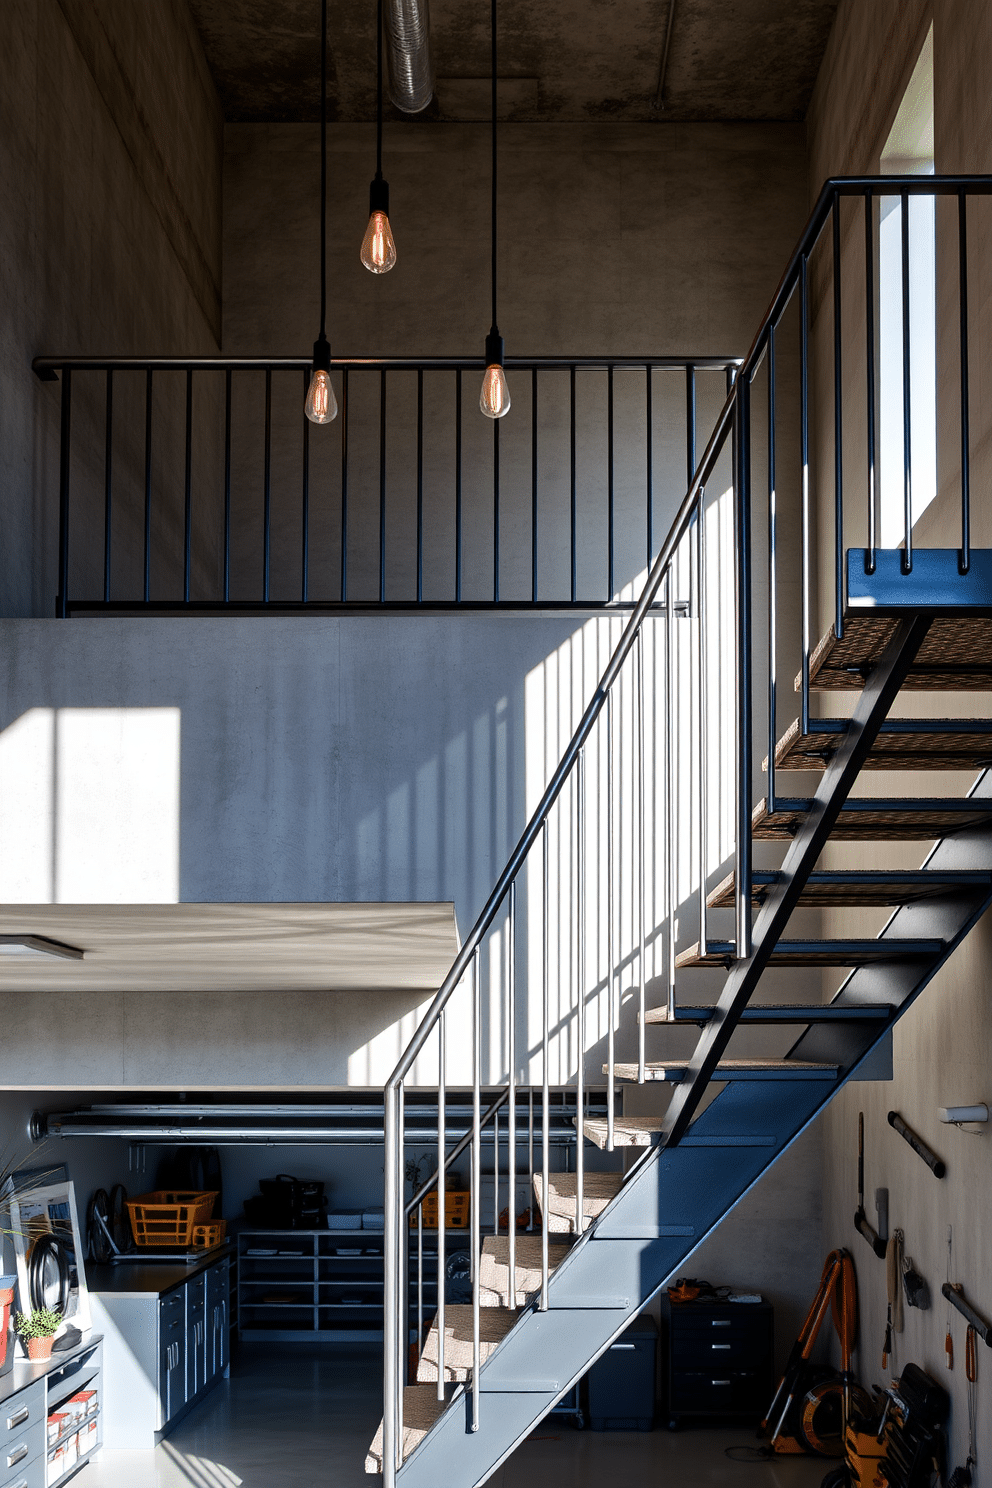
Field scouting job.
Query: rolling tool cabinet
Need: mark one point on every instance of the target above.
(719, 1358)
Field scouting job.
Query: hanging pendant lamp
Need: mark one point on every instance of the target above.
(494, 399)
(378, 247)
(321, 406)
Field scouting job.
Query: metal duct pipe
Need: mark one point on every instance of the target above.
(407, 25)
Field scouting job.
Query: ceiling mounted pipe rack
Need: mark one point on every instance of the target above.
(407, 25)
(220, 1125)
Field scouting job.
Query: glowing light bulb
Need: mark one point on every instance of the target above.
(321, 405)
(494, 400)
(378, 247)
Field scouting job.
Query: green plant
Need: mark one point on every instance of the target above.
(41, 1323)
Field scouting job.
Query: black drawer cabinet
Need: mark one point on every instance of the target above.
(719, 1358)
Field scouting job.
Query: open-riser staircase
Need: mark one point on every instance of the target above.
(506, 1367)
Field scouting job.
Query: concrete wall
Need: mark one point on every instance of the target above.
(938, 1055)
(110, 240)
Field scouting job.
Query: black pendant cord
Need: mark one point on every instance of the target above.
(323, 169)
(378, 92)
(494, 100)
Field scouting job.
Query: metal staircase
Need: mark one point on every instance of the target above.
(545, 1305)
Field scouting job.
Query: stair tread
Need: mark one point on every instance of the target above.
(421, 1408)
(853, 886)
(901, 744)
(628, 1131)
(494, 1267)
(857, 952)
(599, 1190)
(953, 657)
(777, 1012)
(867, 819)
(494, 1324)
(731, 1069)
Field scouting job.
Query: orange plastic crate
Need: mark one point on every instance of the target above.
(165, 1219)
(456, 1210)
(207, 1235)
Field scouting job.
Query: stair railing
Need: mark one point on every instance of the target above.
(729, 572)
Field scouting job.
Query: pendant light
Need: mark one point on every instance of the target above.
(321, 406)
(378, 247)
(494, 400)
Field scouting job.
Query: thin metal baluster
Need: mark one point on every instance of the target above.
(649, 465)
(305, 512)
(496, 511)
(496, 1173)
(611, 545)
(344, 485)
(964, 558)
(108, 459)
(772, 576)
(404, 1254)
(701, 702)
(62, 598)
(610, 913)
(545, 1094)
(571, 389)
(227, 485)
(670, 893)
(267, 505)
(870, 377)
(148, 486)
(805, 523)
(420, 485)
(742, 587)
(382, 485)
(641, 896)
(690, 424)
(580, 933)
(838, 432)
(188, 486)
(442, 1217)
(533, 484)
(458, 486)
(530, 1154)
(476, 1181)
(907, 396)
(511, 1151)
(392, 1332)
(420, 1276)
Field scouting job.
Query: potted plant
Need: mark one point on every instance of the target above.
(38, 1330)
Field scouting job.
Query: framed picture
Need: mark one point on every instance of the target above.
(49, 1253)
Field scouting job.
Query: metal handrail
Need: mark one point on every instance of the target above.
(48, 364)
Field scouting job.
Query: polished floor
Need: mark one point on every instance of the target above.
(297, 1419)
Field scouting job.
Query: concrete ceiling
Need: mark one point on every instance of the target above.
(233, 947)
(563, 60)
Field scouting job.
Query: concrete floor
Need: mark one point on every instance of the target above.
(295, 1419)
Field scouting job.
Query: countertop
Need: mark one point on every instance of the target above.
(150, 1278)
(25, 1373)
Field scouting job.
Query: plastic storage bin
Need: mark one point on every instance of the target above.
(165, 1218)
(621, 1385)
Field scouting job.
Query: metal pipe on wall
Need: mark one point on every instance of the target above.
(407, 24)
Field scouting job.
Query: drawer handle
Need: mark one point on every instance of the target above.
(19, 1415)
(719, 1382)
(720, 1345)
(17, 1455)
(719, 1322)
(21, 1483)
(622, 1346)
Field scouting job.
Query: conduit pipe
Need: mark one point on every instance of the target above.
(407, 25)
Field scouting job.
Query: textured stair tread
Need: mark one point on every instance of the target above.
(901, 744)
(494, 1268)
(867, 819)
(778, 1012)
(421, 1408)
(599, 1190)
(858, 887)
(732, 1069)
(817, 952)
(628, 1131)
(955, 656)
(494, 1324)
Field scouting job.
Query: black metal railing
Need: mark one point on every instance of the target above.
(198, 484)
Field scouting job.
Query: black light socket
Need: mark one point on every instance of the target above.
(379, 196)
(494, 349)
(322, 354)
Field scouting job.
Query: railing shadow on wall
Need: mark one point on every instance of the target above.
(198, 483)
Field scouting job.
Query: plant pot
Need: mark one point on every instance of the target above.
(40, 1349)
(7, 1285)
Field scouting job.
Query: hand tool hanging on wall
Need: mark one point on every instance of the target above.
(861, 1223)
(961, 1477)
(954, 1292)
(946, 1289)
(915, 1285)
(893, 1293)
(936, 1164)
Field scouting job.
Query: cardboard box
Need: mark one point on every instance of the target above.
(58, 1421)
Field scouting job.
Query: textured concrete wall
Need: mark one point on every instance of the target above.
(939, 1049)
(110, 239)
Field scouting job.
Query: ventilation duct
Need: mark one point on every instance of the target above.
(407, 25)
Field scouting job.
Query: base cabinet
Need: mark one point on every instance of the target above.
(51, 1417)
(719, 1358)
